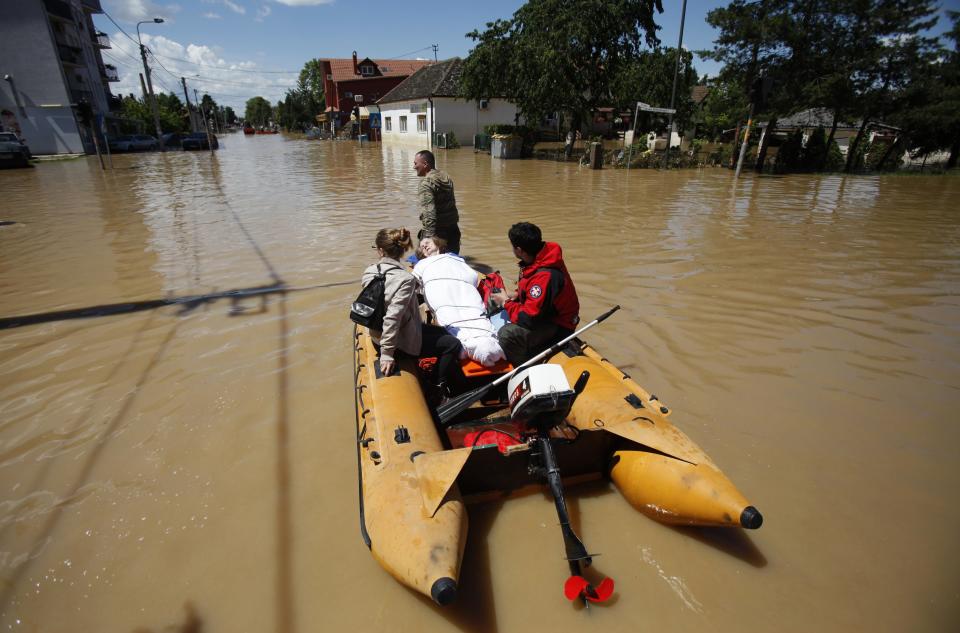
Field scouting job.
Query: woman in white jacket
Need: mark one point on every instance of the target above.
(450, 289)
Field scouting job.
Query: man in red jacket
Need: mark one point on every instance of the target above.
(544, 308)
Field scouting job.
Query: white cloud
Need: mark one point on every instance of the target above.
(217, 75)
(136, 10)
(233, 6)
(210, 15)
(263, 12)
(303, 3)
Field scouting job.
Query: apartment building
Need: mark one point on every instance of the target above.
(49, 61)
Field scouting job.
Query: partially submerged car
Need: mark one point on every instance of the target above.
(13, 151)
(198, 140)
(133, 143)
(173, 139)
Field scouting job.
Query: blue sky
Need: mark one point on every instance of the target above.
(226, 47)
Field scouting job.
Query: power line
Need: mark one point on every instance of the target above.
(410, 53)
(232, 70)
(122, 62)
(199, 78)
(160, 81)
(125, 53)
(245, 84)
(120, 27)
(152, 54)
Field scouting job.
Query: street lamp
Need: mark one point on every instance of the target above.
(146, 71)
(153, 21)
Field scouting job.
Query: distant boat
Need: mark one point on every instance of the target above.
(248, 129)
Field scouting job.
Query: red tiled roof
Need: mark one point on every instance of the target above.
(342, 69)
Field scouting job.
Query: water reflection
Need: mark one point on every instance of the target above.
(803, 329)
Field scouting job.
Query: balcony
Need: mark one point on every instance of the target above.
(78, 95)
(92, 6)
(101, 40)
(70, 55)
(59, 9)
(110, 72)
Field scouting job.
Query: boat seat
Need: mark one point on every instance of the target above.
(473, 369)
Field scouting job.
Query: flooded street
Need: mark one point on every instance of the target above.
(193, 467)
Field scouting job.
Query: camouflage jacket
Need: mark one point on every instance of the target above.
(438, 205)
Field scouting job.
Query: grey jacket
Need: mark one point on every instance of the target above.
(401, 323)
(437, 202)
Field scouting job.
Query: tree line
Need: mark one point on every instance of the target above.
(298, 108)
(173, 113)
(862, 61)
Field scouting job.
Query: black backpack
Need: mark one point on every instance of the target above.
(370, 307)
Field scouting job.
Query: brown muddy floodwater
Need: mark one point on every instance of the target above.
(192, 467)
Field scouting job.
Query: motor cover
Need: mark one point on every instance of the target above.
(540, 390)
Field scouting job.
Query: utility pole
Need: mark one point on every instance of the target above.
(746, 137)
(205, 126)
(193, 124)
(673, 93)
(146, 71)
(435, 47)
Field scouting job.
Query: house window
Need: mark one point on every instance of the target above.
(388, 124)
(403, 124)
(421, 123)
(366, 71)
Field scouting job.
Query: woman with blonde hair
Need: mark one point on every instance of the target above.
(401, 332)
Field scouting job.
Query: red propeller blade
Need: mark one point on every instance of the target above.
(574, 587)
(577, 586)
(602, 592)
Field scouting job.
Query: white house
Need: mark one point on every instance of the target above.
(426, 105)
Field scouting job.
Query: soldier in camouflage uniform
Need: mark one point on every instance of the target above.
(438, 205)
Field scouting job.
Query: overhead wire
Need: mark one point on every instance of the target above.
(245, 84)
(410, 53)
(121, 62)
(138, 61)
(152, 54)
(232, 70)
(109, 17)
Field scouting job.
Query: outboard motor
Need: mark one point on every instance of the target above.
(540, 398)
(540, 395)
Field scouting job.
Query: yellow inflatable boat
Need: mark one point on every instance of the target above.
(419, 466)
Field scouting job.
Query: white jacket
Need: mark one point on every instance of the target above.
(450, 288)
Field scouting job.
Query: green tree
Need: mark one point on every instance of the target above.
(230, 115)
(208, 104)
(929, 112)
(258, 111)
(300, 106)
(721, 109)
(850, 56)
(311, 81)
(889, 52)
(649, 78)
(559, 55)
(750, 44)
(173, 114)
